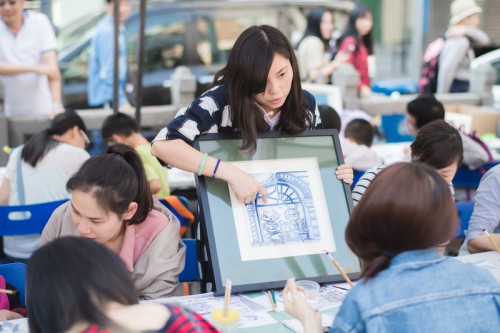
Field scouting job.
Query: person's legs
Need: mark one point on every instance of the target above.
(459, 86)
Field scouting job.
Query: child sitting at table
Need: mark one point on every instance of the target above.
(78, 285)
(122, 128)
(406, 284)
(111, 203)
(357, 145)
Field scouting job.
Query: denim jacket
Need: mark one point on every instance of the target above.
(423, 291)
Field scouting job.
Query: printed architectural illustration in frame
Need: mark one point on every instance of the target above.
(260, 245)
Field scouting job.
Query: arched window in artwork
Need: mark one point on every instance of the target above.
(289, 215)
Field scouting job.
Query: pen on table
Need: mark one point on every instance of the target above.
(270, 294)
(492, 240)
(339, 268)
(227, 298)
(338, 287)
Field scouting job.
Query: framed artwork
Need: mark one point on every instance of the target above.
(260, 245)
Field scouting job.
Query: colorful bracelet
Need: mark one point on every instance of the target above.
(202, 164)
(215, 169)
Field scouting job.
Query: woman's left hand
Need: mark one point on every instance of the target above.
(345, 173)
(296, 305)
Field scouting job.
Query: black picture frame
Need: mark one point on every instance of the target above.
(217, 213)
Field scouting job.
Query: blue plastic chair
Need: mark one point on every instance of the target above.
(191, 272)
(15, 274)
(465, 209)
(470, 179)
(26, 219)
(357, 176)
(393, 125)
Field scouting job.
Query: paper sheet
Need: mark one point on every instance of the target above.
(296, 326)
(15, 326)
(252, 314)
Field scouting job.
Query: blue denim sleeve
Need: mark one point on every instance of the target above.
(349, 318)
(486, 213)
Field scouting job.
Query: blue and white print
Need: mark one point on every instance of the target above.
(289, 216)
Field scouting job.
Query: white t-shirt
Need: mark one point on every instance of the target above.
(46, 182)
(29, 93)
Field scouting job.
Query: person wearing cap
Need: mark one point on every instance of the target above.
(457, 54)
(40, 170)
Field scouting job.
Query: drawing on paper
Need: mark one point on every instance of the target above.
(289, 216)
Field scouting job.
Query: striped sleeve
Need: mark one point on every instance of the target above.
(184, 321)
(364, 182)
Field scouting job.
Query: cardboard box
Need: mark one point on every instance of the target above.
(472, 118)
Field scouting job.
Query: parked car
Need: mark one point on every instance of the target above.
(197, 34)
(492, 58)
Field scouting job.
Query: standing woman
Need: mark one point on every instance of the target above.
(46, 163)
(257, 91)
(314, 54)
(358, 43)
(111, 203)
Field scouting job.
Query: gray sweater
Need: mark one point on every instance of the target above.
(456, 56)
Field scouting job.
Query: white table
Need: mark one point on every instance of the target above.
(488, 260)
(393, 152)
(180, 179)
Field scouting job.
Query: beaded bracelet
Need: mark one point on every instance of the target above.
(202, 164)
(216, 167)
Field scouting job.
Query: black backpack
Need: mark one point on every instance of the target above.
(427, 82)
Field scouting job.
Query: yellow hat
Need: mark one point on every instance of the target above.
(461, 9)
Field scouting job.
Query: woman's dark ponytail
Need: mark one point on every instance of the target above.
(38, 146)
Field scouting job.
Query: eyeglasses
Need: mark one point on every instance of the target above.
(85, 137)
(11, 2)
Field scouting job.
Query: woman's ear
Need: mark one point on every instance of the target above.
(132, 208)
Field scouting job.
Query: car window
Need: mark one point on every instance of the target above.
(165, 38)
(76, 69)
(218, 29)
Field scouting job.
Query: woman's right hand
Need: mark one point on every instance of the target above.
(244, 186)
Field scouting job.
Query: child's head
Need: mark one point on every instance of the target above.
(408, 206)
(439, 145)
(119, 126)
(360, 131)
(109, 191)
(72, 280)
(422, 110)
(329, 117)
(262, 77)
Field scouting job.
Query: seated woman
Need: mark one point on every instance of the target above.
(78, 285)
(406, 284)
(112, 204)
(38, 171)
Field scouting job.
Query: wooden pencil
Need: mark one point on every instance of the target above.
(6, 291)
(492, 240)
(339, 268)
(227, 298)
(273, 305)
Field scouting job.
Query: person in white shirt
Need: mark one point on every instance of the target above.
(27, 39)
(48, 160)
